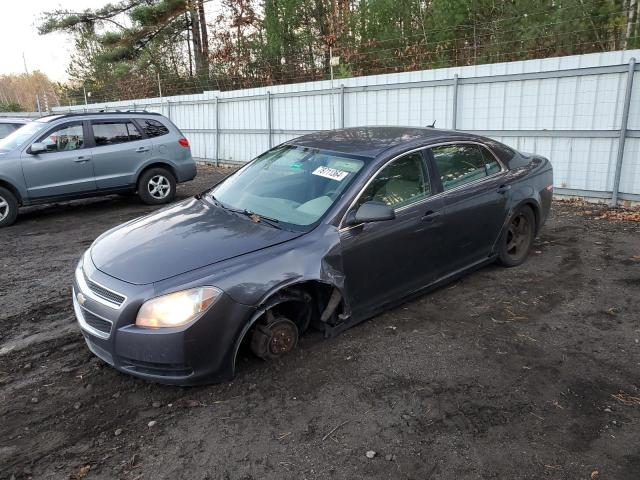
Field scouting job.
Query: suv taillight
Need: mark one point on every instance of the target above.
(184, 142)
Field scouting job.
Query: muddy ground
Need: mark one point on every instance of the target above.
(531, 372)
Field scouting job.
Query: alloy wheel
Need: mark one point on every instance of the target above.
(518, 236)
(159, 187)
(4, 208)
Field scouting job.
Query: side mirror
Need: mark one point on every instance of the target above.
(37, 148)
(370, 212)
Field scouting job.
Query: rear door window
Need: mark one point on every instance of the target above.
(464, 163)
(153, 128)
(113, 133)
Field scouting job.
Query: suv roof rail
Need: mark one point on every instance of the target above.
(102, 112)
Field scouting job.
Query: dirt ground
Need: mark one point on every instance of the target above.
(531, 372)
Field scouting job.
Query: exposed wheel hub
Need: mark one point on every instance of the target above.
(275, 338)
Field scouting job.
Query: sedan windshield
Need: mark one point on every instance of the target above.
(289, 184)
(19, 136)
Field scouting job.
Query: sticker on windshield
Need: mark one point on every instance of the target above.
(331, 173)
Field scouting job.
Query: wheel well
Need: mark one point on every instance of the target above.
(12, 189)
(158, 165)
(286, 301)
(536, 212)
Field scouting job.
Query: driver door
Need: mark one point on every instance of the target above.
(385, 261)
(65, 168)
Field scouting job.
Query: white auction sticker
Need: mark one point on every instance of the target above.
(331, 173)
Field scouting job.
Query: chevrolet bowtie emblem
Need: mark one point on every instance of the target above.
(81, 298)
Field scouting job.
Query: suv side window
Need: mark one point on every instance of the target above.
(461, 164)
(64, 138)
(402, 182)
(153, 128)
(112, 133)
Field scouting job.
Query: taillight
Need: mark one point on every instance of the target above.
(184, 142)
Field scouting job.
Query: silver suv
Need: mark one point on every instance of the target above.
(62, 157)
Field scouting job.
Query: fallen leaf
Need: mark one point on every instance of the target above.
(80, 474)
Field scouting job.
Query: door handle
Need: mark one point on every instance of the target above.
(82, 159)
(430, 216)
(504, 188)
(142, 149)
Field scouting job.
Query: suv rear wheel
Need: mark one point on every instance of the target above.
(157, 186)
(8, 207)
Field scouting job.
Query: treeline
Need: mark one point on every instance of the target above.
(139, 48)
(24, 92)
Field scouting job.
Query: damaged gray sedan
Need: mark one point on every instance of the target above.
(324, 231)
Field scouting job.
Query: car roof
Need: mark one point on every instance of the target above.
(373, 141)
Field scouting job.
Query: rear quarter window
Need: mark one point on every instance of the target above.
(153, 128)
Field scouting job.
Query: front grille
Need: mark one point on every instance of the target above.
(96, 322)
(104, 293)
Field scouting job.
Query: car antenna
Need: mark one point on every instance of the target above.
(433, 125)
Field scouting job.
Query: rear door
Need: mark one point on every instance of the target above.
(66, 166)
(119, 150)
(475, 201)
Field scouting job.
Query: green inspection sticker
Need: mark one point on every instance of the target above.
(296, 165)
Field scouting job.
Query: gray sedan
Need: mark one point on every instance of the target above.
(324, 231)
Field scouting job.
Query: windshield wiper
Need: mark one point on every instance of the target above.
(255, 217)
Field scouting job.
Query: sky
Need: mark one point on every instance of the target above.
(18, 34)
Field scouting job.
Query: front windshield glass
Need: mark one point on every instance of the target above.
(19, 136)
(289, 184)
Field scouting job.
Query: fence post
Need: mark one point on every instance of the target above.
(169, 109)
(342, 106)
(217, 133)
(269, 119)
(623, 132)
(454, 121)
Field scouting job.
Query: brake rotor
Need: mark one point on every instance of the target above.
(274, 339)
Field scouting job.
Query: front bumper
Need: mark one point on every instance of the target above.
(200, 352)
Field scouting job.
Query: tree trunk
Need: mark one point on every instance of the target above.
(196, 40)
(631, 12)
(189, 47)
(204, 37)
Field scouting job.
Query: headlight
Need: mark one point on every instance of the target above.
(176, 309)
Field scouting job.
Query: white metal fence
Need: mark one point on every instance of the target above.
(583, 112)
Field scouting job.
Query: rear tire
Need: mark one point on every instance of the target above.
(517, 240)
(8, 207)
(157, 186)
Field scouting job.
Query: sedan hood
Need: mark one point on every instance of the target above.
(189, 235)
